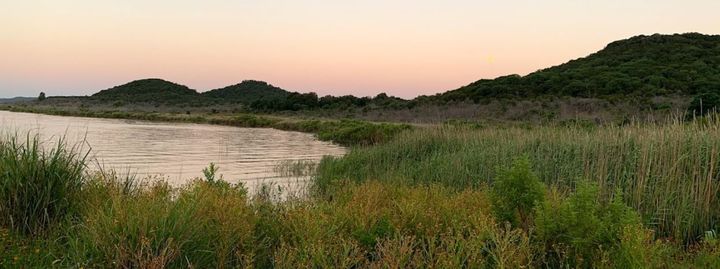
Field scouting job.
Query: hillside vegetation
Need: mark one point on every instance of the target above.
(246, 92)
(643, 67)
(148, 91)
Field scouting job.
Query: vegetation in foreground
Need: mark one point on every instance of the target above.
(451, 197)
(668, 173)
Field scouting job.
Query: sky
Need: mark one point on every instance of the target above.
(403, 47)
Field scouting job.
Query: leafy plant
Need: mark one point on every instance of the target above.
(210, 172)
(577, 230)
(515, 192)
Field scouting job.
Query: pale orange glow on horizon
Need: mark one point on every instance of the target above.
(405, 48)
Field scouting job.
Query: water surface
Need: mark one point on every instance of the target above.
(177, 151)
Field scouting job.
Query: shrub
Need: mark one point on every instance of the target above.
(515, 192)
(579, 229)
(704, 103)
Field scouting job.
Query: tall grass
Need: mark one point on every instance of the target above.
(38, 186)
(211, 224)
(667, 172)
(204, 224)
(425, 199)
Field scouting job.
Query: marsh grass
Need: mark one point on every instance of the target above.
(380, 207)
(296, 168)
(38, 186)
(669, 172)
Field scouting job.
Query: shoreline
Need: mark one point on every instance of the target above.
(344, 132)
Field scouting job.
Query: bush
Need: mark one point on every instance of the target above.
(38, 188)
(704, 103)
(580, 229)
(515, 192)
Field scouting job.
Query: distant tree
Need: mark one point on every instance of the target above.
(41, 96)
(704, 103)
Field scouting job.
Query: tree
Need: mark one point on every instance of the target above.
(41, 96)
(704, 103)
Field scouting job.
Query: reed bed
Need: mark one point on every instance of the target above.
(667, 172)
(637, 196)
(38, 188)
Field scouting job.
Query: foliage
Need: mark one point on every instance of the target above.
(246, 92)
(704, 103)
(129, 224)
(210, 173)
(38, 188)
(148, 91)
(667, 172)
(642, 65)
(200, 225)
(578, 229)
(344, 132)
(515, 192)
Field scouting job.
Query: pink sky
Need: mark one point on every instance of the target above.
(402, 47)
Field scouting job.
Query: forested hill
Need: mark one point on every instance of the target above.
(642, 65)
(247, 92)
(148, 90)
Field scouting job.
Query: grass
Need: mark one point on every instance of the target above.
(38, 188)
(343, 132)
(636, 196)
(669, 173)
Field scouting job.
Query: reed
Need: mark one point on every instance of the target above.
(38, 186)
(668, 172)
(428, 198)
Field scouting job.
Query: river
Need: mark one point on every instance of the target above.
(177, 152)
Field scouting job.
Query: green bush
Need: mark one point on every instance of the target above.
(579, 229)
(704, 103)
(515, 192)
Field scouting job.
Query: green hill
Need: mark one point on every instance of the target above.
(684, 64)
(642, 66)
(148, 91)
(246, 92)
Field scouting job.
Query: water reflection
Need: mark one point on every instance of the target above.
(178, 151)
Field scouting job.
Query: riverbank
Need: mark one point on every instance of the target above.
(343, 132)
(427, 198)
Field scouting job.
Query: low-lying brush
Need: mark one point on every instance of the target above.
(669, 173)
(519, 218)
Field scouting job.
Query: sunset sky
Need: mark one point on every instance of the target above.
(402, 47)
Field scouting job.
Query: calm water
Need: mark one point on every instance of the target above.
(177, 151)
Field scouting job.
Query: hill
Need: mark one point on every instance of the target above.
(641, 66)
(148, 91)
(16, 100)
(246, 92)
(653, 65)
